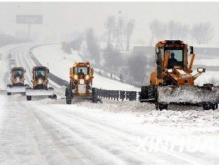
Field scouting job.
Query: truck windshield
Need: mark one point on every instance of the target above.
(18, 73)
(40, 73)
(176, 57)
(81, 70)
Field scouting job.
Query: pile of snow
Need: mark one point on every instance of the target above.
(60, 62)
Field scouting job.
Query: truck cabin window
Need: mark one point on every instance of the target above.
(40, 73)
(81, 70)
(18, 73)
(176, 58)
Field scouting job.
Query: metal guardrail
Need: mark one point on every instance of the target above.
(119, 95)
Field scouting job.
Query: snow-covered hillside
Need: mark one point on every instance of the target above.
(60, 62)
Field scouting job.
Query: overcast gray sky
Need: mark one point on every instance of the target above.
(66, 17)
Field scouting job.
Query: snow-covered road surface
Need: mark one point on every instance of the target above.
(48, 132)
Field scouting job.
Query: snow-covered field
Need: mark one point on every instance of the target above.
(60, 62)
(49, 132)
(208, 76)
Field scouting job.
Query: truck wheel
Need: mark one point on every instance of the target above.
(161, 106)
(94, 95)
(214, 106)
(68, 95)
(29, 98)
(68, 101)
(53, 96)
(209, 105)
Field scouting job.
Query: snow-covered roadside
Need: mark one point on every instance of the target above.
(60, 62)
(208, 76)
(1, 110)
(4, 51)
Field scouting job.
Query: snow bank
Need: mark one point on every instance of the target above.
(59, 63)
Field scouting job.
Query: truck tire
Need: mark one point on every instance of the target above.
(94, 95)
(29, 98)
(68, 95)
(161, 106)
(68, 101)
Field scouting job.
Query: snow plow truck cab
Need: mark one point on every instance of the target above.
(17, 81)
(172, 80)
(40, 83)
(80, 85)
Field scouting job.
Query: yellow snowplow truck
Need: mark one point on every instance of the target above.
(80, 85)
(40, 84)
(172, 80)
(17, 81)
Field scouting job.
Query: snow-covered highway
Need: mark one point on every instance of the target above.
(48, 132)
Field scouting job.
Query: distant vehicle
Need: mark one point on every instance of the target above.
(17, 81)
(40, 84)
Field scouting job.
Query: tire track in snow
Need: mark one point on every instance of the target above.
(168, 157)
(92, 152)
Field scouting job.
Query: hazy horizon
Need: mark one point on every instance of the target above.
(63, 18)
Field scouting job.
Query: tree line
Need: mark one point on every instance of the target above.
(200, 33)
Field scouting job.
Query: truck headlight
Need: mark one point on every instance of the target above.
(17, 79)
(40, 81)
(201, 70)
(170, 70)
(87, 77)
(75, 77)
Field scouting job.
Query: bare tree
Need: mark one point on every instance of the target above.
(92, 45)
(110, 26)
(202, 33)
(113, 59)
(176, 30)
(129, 31)
(119, 32)
(158, 30)
(137, 72)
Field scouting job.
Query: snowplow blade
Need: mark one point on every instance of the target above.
(40, 92)
(16, 89)
(188, 94)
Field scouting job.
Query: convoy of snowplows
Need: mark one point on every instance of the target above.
(172, 80)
